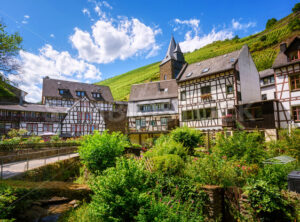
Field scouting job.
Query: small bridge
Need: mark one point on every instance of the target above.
(10, 169)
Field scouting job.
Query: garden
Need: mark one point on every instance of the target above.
(176, 179)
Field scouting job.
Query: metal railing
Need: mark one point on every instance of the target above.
(22, 161)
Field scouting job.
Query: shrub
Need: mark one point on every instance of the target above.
(55, 139)
(121, 191)
(288, 144)
(169, 164)
(294, 24)
(242, 146)
(276, 174)
(17, 133)
(190, 138)
(267, 202)
(271, 22)
(99, 151)
(263, 38)
(213, 170)
(165, 146)
(296, 8)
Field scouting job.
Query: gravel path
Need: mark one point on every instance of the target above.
(13, 169)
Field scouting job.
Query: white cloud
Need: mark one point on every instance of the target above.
(242, 26)
(49, 62)
(193, 23)
(110, 40)
(25, 19)
(52, 35)
(105, 3)
(85, 11)
(191, 43)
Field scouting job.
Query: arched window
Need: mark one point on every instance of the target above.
(165, 77)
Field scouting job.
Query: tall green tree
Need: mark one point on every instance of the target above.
(296, 8)
(10, 45)
(271, 22)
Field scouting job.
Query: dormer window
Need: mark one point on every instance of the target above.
(96, 95)
(62, 91)
(80, 93)
(295, 55)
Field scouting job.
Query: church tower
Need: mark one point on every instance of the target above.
(172, 63)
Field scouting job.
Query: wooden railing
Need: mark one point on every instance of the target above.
(228, 121)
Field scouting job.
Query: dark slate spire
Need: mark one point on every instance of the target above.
(178, 55)
(170, 52)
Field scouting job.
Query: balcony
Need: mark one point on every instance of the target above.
(28, 119)
(228, 121)
(171, 124)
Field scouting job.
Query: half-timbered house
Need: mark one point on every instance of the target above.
(267, 84)
(209, 91)
(153, 107)
(287, 81)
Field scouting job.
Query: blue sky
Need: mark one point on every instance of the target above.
(89, 40)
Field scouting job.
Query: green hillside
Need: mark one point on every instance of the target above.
(264, 47)
(6, 93)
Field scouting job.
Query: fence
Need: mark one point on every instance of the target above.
(30, 160)
(12, 146)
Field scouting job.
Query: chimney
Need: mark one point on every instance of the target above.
(283, 47)
(21, 100)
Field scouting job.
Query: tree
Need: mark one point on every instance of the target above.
(271, 22)
(296, 8)
(10, 45)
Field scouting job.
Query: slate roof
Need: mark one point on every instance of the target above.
(210, 66)
(174, 52)
(282, 58)
(51, 89)
(35, 108)
(154, 90)
(266, 72)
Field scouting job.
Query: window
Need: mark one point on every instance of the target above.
(96, 95)
(183, 95)
(48, 128)
(295, 55)
(80, 93)
(264, 96)
(239, 96)
(167, 106)
(295, 82)
(199, 114)
(32, 127)
(137, 122)
(153, 123)
(164, 121)
(140, 123)
(165, 77)
(267, 80)
(238, 75)
(143, 123)
(88, 116)
(62, 91)
(205, 90)
(253, 113)
(187, 115)
(296, 113)
(79, 116)
(229, 89)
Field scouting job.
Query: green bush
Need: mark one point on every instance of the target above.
(288, 144)
(121, 191)
(294, 25)
(276, 174)
(99, 151)
(263, 38)
(271, 22)
(267, 202)
(213, 170)
(166, 145)
(296, 8)
(55, 139)
(190, 138)
(169, 164)
(242, 146)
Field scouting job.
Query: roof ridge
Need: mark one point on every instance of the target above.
(155, 82)
(75, 82)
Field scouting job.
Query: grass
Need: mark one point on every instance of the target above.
(264, 51)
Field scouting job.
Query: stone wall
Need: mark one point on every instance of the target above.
(167, 69)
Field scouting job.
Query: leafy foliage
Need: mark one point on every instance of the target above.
(99, 151)
(165, 145)
(9, 48)
(271, 22)
(170, 164)
(268, 203)
(120, 192)
(294, 24)
(190, 138)
(296, 8)
(241, 146)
